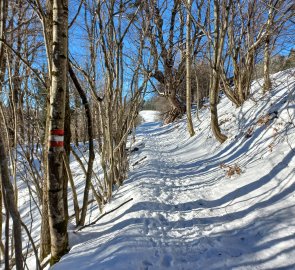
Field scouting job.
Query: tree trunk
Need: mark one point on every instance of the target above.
(177, 108)
(220, 28)
(190, 126)
(213, 109)
(59, 61)
(91, 146)
(67, 147)
(11, 206)
(240, 87)
(45, 242)
(266, 64)
(6, 250)
(2, 252)
(45, 233)
(74, 193)
(3, 16)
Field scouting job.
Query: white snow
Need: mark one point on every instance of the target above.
(149, 116)
(187, 211)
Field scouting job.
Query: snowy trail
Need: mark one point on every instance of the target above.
(174, 219)
(152, 229)
(186, 213)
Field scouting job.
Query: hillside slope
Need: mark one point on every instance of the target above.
(201, 205)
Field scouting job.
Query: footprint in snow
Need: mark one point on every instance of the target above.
(167, 261)
(147, 263)
(146, 226)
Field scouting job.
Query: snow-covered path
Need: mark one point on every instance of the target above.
(186, 212)
(159, 229)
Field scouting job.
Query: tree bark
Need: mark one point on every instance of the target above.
(74, 193)
(6, 248)
(3, 16)
(91, 146)
(266, 64)
(11, 206)
(220, 28)
(67, 147)
(190, 126)
(45, 231)
(59, 61)
(213, 109)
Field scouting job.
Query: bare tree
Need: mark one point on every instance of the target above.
(91, 144)
(188, 71)
(279, 13)
(9, 198)
(164, 50)
(59, 58)
(173, 47)
(252, 25)
(216, 42)
(47, 24)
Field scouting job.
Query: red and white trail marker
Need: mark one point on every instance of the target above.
(56, 138)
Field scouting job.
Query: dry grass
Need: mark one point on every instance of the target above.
(231, 170)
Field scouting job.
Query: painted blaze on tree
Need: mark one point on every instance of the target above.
(56, 138)
(57, 213)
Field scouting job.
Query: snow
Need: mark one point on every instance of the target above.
(198, 204)
(149, 116)
(187, 211)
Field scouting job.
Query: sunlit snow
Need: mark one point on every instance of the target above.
(187, 211)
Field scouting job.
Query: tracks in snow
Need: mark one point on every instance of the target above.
(168, 224)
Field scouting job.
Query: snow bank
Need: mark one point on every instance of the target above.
(201, 205)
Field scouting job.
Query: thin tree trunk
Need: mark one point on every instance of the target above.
(75, 197)
(57, 214)
(45, 232)
(198, 96)
(45, 242)
(1, 220)
(91, 147)
(190, 126)
(6, 253)
(266, 64)
(76, 123)
(11, 206)
(67, 147)
(219, 36)
(213, 109)
(3, 16)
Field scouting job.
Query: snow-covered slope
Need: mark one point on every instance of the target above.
(201, 205)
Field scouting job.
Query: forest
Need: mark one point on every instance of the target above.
(78, 80)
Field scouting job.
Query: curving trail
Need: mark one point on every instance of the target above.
(186, 213)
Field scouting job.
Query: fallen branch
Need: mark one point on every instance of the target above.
(106, 213)
(137, 162)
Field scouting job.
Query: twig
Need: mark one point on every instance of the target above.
(137, 162)
(33, 245)
(106, 213)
